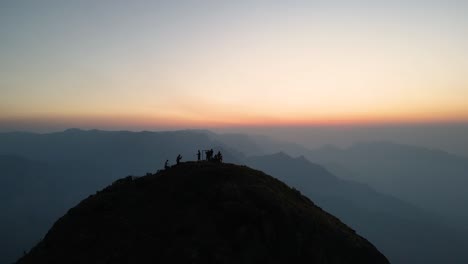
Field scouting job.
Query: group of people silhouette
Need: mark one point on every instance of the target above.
(218, 157)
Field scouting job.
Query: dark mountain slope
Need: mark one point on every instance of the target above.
(404, 233)
(201, 213)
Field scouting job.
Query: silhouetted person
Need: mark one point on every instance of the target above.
(198, 155)
(166, 166)
(209, 154)
(218, 157)
(179, 157)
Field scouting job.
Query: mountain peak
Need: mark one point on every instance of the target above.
(201, 212)
(73, 130)
(281, 155)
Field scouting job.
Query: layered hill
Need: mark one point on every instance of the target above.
(201, 212)
(428, 178)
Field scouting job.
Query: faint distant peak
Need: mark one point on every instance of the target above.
(375, 143)
(329, 147)
(284, 157)
(280, 155)
(73, 130)
(389, 146)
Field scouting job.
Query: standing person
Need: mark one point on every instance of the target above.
(179, 157)
(198, 155)
(211, 154)
(166, 166)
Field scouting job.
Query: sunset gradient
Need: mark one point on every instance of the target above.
(194, 64)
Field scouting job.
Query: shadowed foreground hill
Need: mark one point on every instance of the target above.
(201, 213)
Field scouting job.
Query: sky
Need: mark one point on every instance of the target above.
(201, 64)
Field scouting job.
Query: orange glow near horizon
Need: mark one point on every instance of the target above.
(142, 122)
